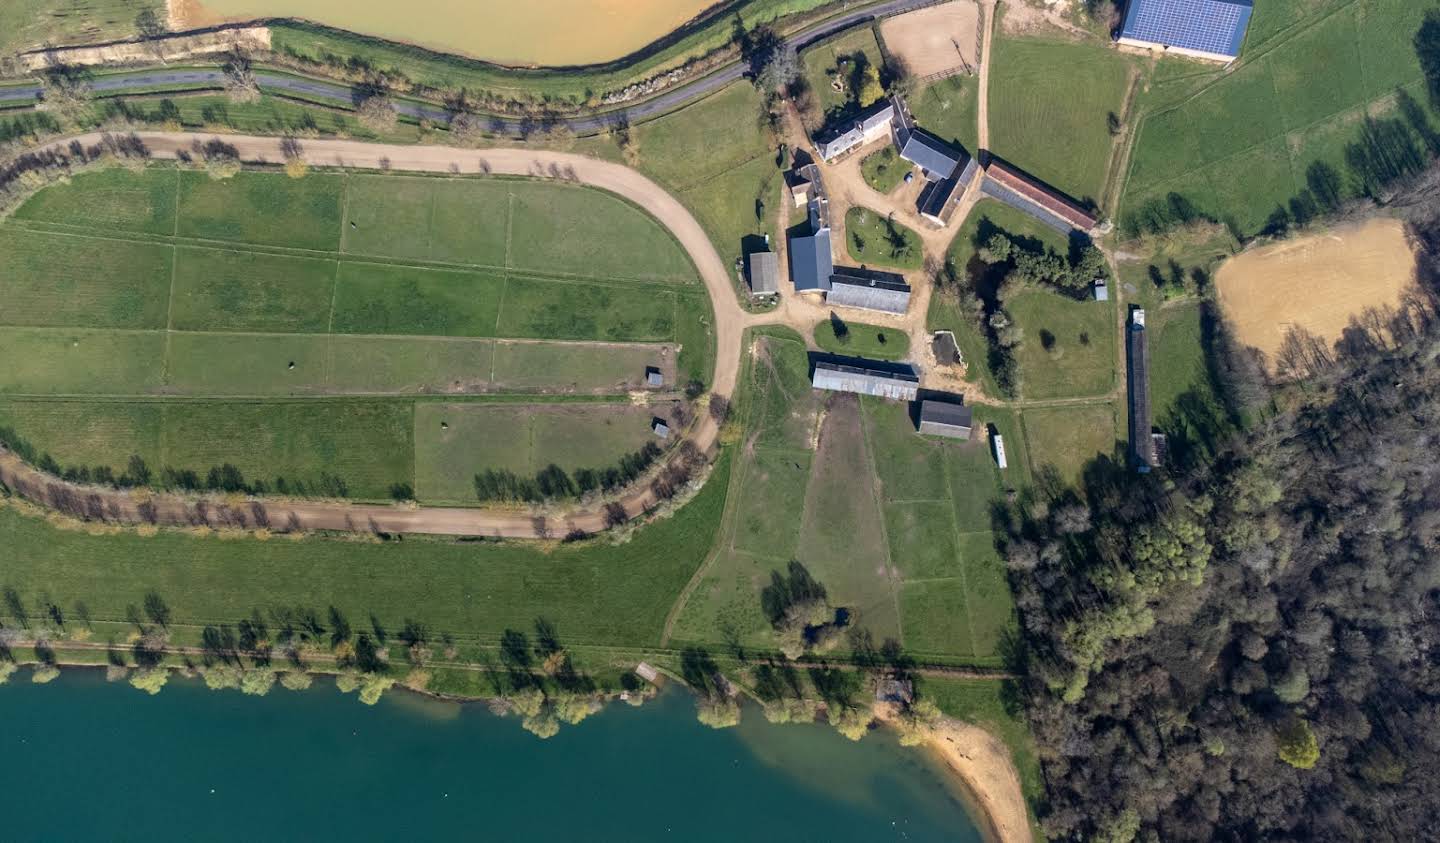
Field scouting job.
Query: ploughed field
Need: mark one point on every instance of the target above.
(298, 328)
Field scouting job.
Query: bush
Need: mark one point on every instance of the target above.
(45, 673)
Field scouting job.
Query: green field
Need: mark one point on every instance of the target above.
(1069, 346)
(873, 240)
(947, 108)
(987, 218)
(27, 24)
(916, 555)
(1239, 143)
(884, 169)
(1069, 438)
(1049, 105)
(861, 340)
(264, 295)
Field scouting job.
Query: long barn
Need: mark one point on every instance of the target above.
(838, 377)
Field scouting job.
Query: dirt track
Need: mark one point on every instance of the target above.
(730, 322)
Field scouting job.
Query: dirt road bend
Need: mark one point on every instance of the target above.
(730, 322)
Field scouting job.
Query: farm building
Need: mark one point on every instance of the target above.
(997, 444)
(1204, 29)
(938, 198)
(1102, 290)
(764, 273)
(810, 262)
(869, 290)
(661, 428)
(935, 158)
(1024, 193)
(899, 386)
(854, 133)
(1142, 446)
(653, 377)
(939, 418)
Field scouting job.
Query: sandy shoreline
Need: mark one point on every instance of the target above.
(982, 764)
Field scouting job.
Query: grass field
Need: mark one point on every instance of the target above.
(1240, 143)
(280, 288)
(1069, 346)
(875, 241)
(1049, 105)
(1068, 438)
(916, 552)
(454, 442)
(987, 217)
(26, 24)
(884, 170)
(843, 56)
(596, 595)
(863, 340)
(948, 109)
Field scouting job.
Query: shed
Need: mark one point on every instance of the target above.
(653, 376)
(997, 443)
(1028, 194)
(764, 273)
(1138, 377)
(839, 377)
(941, 418)
(869, 290)
(1102, 292)
(660, 427)
(1203, 29)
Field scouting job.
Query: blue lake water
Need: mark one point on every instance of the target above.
(84, 759)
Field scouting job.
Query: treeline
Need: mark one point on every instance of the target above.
(555, 483)
(1003, 266)
(1248, 652)
(137, 474)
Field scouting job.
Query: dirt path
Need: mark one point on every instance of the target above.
(987, 30)
(730, 322)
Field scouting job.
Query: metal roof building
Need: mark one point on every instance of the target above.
(764, 273)
(935, 157)
(869, 290)
(937, 200)
(939, 418)
(1040, 201)
(1142, 446)
(838, 377)
(810, 262)
(1204, 29)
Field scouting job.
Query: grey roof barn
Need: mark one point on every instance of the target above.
(869, 290)
(941, 418)
(839, 377)
(764, 273)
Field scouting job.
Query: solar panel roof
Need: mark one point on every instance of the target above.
(1210, 26)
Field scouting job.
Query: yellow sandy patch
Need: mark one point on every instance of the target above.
(1315, 283)
(936, 40)
(534, 32)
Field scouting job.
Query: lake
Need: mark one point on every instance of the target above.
(541, 32)
(87, 759)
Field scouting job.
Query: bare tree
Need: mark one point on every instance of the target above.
(240, 84)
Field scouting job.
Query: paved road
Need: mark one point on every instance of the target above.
(665, 102)
(730, 323)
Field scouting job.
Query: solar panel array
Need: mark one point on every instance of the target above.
(1210, 26)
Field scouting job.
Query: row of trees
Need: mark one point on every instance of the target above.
(554, 483)
(1243, 652)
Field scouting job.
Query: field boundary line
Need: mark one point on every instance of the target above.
(877, 500)
(964, 578)
(169, 317)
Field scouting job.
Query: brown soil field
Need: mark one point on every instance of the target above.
(1315, 283)
(936, 40)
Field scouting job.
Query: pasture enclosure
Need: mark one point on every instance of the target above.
(1049, 106)
(1316, 81)
(232, 294)
(1317, 283)
(1069, 345)
(937, 40)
